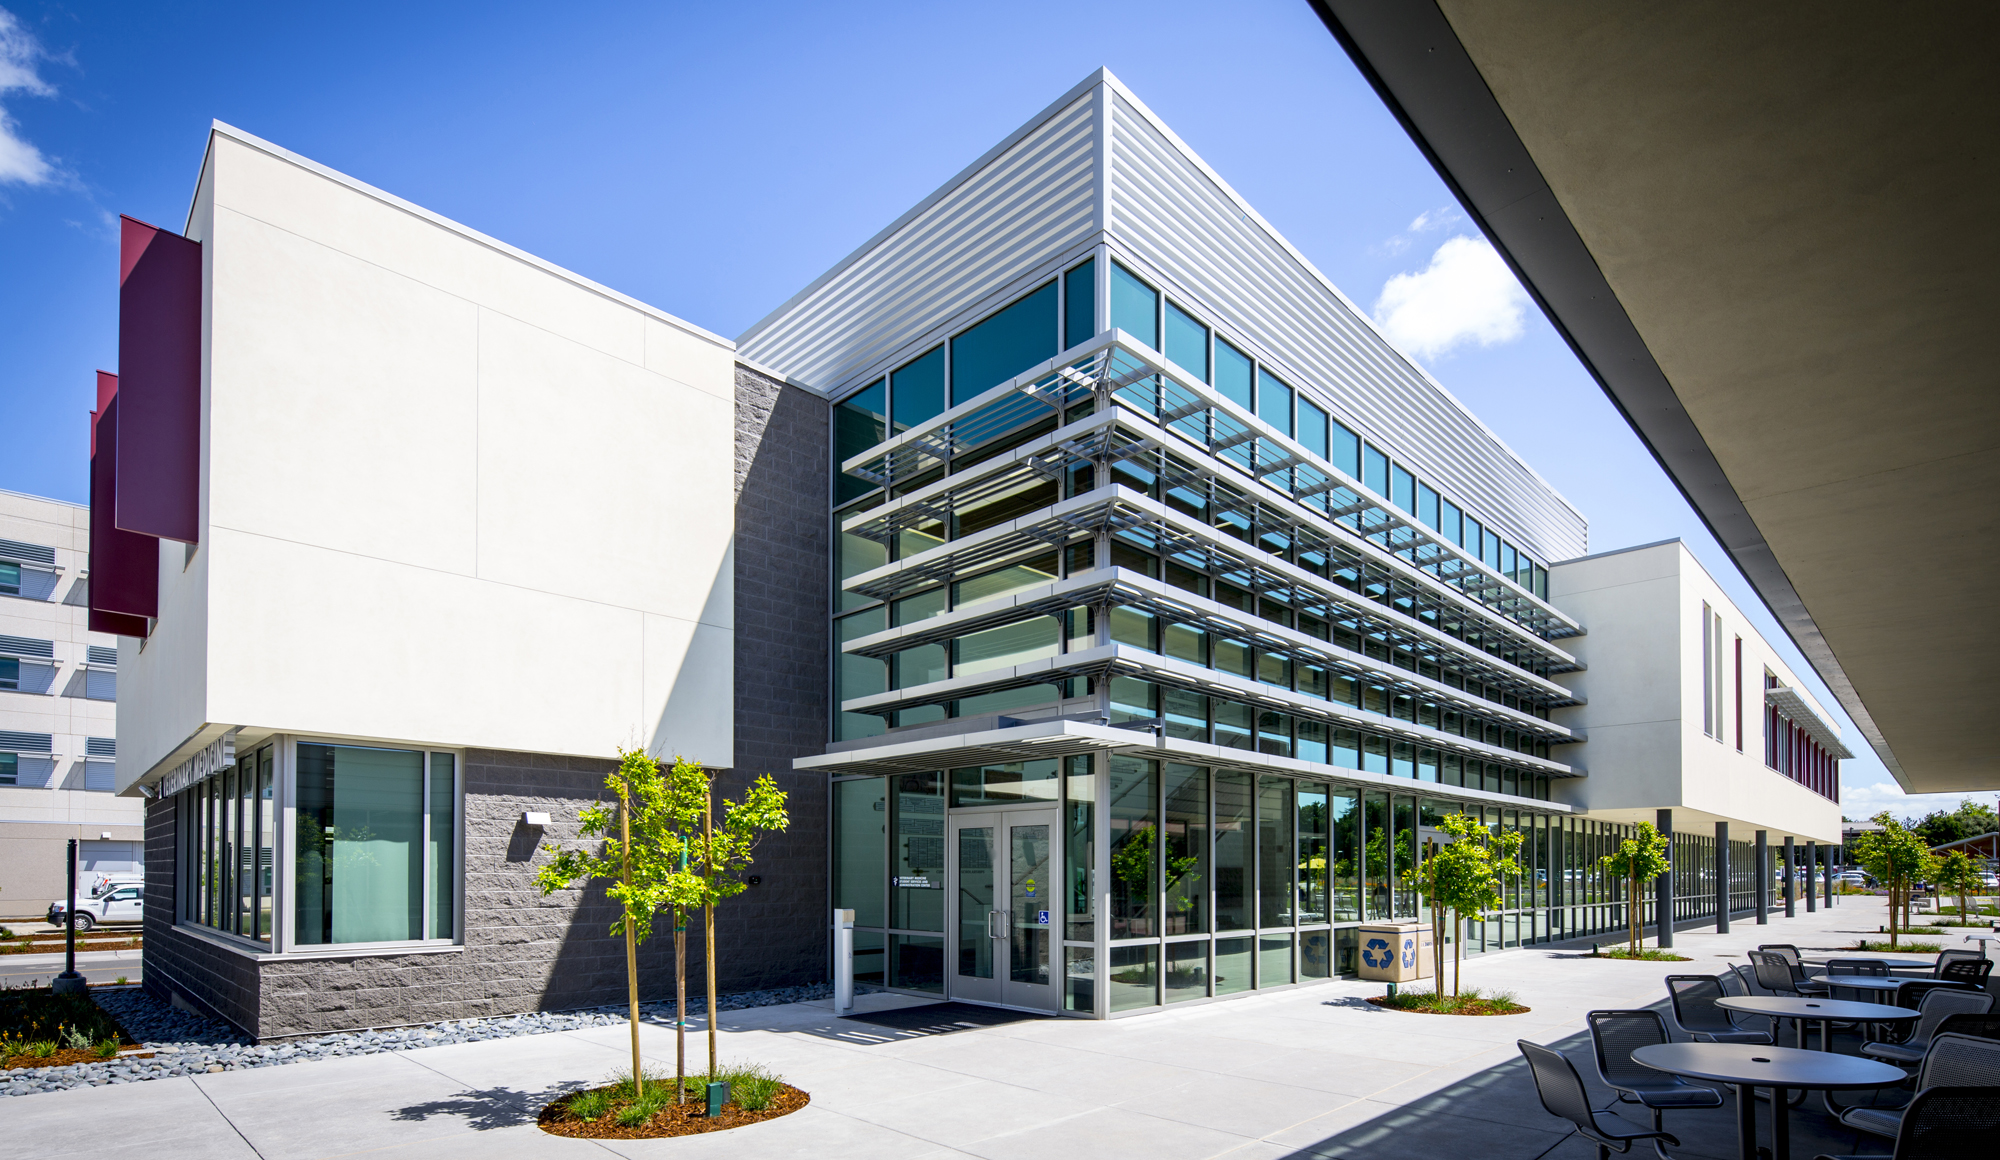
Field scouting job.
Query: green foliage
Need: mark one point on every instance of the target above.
(1969, 820)
(656, 875)
(40, 1049)
(106, 1048)
(590, 1105)
(1638, 860)
(752, 1086)
(1132, 861)
(1959, 876)
(719, 861)
(1898, 858)
(1464, 876)
(1469, 1002)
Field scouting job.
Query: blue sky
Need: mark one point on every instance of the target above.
(713, 159)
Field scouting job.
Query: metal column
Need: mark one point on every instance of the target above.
(1791, 871)
(1763, 877)
(1663, 886)
(1811, 867)
(1722, 877)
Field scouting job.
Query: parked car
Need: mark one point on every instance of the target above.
(123, 904)
(101, 884)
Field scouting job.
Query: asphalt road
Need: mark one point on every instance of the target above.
(95, 966)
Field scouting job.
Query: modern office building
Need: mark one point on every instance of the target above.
(58, 713)
(1119, 608)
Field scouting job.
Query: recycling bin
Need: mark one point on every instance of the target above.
(1395, 952)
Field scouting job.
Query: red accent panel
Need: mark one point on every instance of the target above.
(159, 370)
(124, 566)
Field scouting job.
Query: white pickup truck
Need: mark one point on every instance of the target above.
(121, 905)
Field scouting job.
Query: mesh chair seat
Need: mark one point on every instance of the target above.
(1563, 1095)
(1937, 1006)
(1614, 1036)
(1960, 1061)
(1978, 1026)
(1944, 1123)
(1694, 1005)
(1879, 1121)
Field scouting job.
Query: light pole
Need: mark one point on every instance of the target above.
(69, 982)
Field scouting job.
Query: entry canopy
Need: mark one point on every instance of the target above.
(1764, 228)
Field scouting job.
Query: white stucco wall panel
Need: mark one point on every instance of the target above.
(344, 404)
(452, 495)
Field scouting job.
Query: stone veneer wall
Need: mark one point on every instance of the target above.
(524, 952)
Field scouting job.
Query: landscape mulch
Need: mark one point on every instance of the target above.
(686, 1119)
(1478, 1007)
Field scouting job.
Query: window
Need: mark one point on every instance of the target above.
(1427, 506)
(1232, 374)
(10, 579)
(377, 859)
(1187, 342)
(916, 390)
(228, 830)
(1739, 694)
(1374, 469)
(1709, 726)
(1135, 307)
(10, 673)
(1345, 452)
(10, 769)
(1080, 304)
(858, 424)
(1313, 429)
(1403, 489)
(1274, 402)
(1451, 526)
(1004, 344)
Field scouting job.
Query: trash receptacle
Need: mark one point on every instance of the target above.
(1395, 952)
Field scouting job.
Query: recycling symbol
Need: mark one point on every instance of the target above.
(1376, 952)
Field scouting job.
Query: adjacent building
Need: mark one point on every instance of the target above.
(1119, 608)
(58, 714)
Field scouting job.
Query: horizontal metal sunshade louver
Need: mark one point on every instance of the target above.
(27, 553)
(26, 742)
(101, 655)
(100, 747)
(22, 646)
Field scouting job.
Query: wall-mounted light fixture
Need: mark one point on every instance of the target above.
(532, 818)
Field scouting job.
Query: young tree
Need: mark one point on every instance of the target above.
(1464, 877)
(1638, 860)
(637, 857)
(720, 856)
(1957, 873)
(1898, 858)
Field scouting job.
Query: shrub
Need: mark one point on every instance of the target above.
(590, 1105)
(106, 1048)
(752, 1086)
(40, 1049)
(645, 1107)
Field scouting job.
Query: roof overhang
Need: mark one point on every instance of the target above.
(1762, 228)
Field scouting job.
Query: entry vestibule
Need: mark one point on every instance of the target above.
(1001, 908)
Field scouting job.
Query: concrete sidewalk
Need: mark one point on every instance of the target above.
(96, 966)
(1309, 1072)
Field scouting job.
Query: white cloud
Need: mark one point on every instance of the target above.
(1423, 223)
(1466, 295)
(20, 162)
(1862, 802)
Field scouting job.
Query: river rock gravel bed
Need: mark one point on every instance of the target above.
(184, 1043)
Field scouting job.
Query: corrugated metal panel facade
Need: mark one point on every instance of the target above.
(1016, 215)
(1191, 234)
(971, 243)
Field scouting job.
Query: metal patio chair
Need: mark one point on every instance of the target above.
(1977, 1026)
(1693, 998)
(1874, 968)
(1563, 1096)
(1944, 1123)
(1936, 1007)
(1780, 977)
(1949, 1061)
(1954, 955)
(1614, 1036)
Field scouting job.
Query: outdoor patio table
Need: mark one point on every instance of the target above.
(1866, 983)
(1750, 1066)
(1985, 942)
(1892, 964)
(1823, 1011)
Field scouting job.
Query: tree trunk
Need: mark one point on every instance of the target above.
(680, 1005)
(1457, 948)
(708, 924)
(631, 948)
(1632, 909)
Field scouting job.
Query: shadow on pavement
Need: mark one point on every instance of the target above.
(486, 1109)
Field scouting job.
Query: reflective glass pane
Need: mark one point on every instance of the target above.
(917, 389)
(1134, 847)
(916, 867)
(1312, 860)
(1187, 342)
(859, 423)
(1233, 374)
(1275, 852)
(1134, 307)
(1080, 846)
(1079, 979)
(1274, 402)
(1315, 954)
(1274, 960)
(441, 861)
(975, 903)
(1234, 875)
(1006, 343)
(1080, 304)
(1344, 450)
(1185, 871)
(1014, 781)
(916, 963)
(1187, 971)
(861, 849)
(1377, 842)
(359, 866)
(1345, 816)
(1028, 903)
(1233, 970)
(1134, 977)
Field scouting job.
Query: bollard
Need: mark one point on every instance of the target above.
(843, 961)
(718, 1095)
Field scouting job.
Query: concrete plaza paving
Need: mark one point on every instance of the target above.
(1311, 1072)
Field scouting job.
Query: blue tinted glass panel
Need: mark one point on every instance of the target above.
(1187, 342)
(1403, 490)
(1506, 559)
(1312, 428)
(1232, 374)
(1274, 402)
(858, 424)
(1375, 469)
(1004, 345)
(1427, 505)
(1134, 307)
(917, 389)
(1449, 514)
(1080, 304)
(1472, 534)
(1492, 546)
(1345, 452)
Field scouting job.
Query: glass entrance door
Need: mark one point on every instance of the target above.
(1002, 898)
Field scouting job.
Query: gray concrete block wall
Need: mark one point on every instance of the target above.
(182, 966)
(775, 933)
